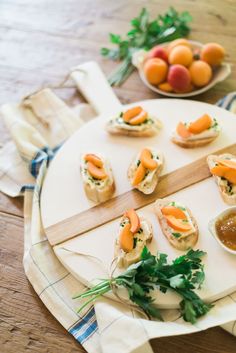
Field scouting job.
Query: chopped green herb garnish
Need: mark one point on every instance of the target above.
(176, 235)
(214, 125)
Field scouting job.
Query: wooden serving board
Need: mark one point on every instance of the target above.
(63, 196)
(105, 212)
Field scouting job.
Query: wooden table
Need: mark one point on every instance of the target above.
(40, 41)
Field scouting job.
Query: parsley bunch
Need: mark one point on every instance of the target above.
(182, 276)
(144, 34)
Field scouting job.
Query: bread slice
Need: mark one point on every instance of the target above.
(126, 259)
(149, 183)
(186, 241)
(97, 190)
(187, 143)
(118, 127)
(229, 199)
(197, 139)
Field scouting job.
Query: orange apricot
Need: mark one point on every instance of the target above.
(181, 55)
(201, 124)
(139, 119)
(179, 78)
(230, 175)
(180, 41)
(177, 224)
(182, 131)
(126, 238)
(225, 172)
(173, 211)
(200, 73)
(155, 70)
(166, 87)
(131, 113)
(134, 220)
(97, 173)
(94, 160)
(146, 159)
(139, 175)
(213, 54)
(219, 170)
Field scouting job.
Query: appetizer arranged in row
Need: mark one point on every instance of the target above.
(97, 177)
(197, 133)
(134, 233)
(144, 171)
(134, 122)
(137, 122)
(223, 168)
(177, 224)
(98, 180)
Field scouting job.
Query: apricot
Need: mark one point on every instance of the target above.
(134, 220)
(181, 55)
(139, 174)
(166, 87)
(147, 160)
(179, 78)
(94, 160)
(173, 211)
(200, 73)
(96, 172)
(201, 124)
(188, 89)
(155, 70)
(180, 41)
(126, 238)
(131, 113)
(225, 172)
(158, 52)
(182, 130)
(213, 54)
(139, 119)
(177, 224)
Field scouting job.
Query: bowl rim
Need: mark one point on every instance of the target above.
(212, 83)
(212, 230)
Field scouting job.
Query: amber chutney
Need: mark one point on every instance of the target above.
(225, 228)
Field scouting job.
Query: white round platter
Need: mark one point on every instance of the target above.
(63, 196)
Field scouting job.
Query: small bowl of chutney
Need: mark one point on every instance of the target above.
(223, 228)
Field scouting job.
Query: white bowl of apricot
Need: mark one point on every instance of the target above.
(182, 68)
(223, 229)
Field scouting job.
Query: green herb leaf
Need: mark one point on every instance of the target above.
(154, 272)
(176, 235)
(144, 34)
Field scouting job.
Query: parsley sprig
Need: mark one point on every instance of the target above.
(144, 34)
(182, 275)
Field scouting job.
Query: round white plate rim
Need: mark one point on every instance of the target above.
(142, 102)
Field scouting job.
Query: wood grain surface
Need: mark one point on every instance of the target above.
(40, 41)
(105, 212)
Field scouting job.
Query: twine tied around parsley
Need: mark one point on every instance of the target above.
(183, 275)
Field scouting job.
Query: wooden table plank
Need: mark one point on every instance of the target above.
(40, 41)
